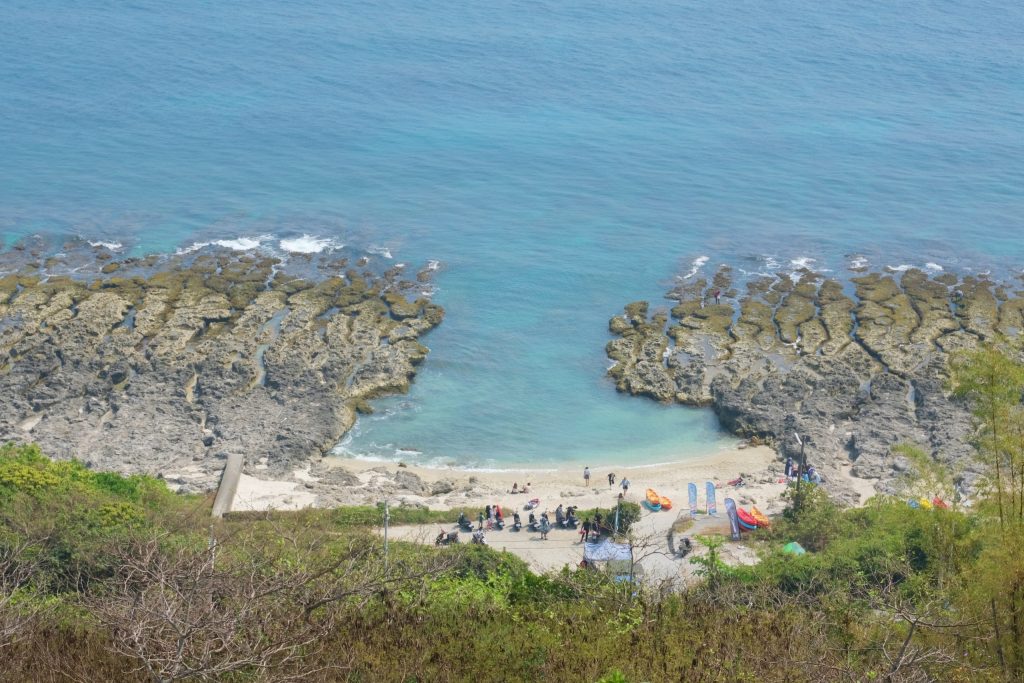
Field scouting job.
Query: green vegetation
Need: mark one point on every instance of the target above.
(104, 577)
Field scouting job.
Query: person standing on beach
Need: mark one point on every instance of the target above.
(586, 476)
(625, 485)
(585, 531)
(611, 479)
(596, 526)
(545, 527)
(718, 296)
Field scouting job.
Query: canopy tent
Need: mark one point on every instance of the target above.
(607, 550)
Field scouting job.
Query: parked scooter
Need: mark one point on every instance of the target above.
(465, 524)
(447, 538)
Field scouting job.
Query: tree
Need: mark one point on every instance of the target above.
(993, 382)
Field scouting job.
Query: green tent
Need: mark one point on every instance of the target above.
(794, 548)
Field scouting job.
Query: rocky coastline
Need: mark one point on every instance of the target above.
(168, 364)
(853, 365)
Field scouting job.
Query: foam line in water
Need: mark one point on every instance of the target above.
(696, 264)
(112, 246)
(243, 243)
(307, 244)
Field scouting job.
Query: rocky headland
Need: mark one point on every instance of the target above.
(166, 365)
(855, 366)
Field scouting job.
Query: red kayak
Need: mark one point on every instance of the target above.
(746, 518)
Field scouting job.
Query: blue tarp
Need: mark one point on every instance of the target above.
(606, 550)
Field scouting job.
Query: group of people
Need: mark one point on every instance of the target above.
(793, 472)
(611, 480)
(492, 518)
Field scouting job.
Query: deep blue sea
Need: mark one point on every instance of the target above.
(558, 158)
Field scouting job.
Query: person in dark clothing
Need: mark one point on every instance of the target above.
(596, 526)
(585, 531)
(789, 466)
(718, 296)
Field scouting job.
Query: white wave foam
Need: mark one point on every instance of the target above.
(697, 264)
(381, 251)
(934, 267)
(112, 246)
(307, 244)
(802, 262)
(770, 262)
(858, 262)
(433, 265)
(238, 244)
(903, 267)
(751, 273)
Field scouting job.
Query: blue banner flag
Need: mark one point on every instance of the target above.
(734, 521)
(693, 498)
(709, 488)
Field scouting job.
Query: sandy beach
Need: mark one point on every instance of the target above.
(440, 489)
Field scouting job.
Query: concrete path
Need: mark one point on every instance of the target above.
(228, 485)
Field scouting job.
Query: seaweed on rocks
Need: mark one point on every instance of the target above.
(856, 374)
(226, 352)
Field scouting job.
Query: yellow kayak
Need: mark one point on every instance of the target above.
(761, 518)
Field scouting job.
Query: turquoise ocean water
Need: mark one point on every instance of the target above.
(559, 158)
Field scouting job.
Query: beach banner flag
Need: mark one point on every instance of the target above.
(693, 499)
(734, 521)
(709, 488)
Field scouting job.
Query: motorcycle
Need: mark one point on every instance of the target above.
(447, 538)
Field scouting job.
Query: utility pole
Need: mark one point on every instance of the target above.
(800, 473)
(387, 518)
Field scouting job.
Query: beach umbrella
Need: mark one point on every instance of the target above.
(794, 548)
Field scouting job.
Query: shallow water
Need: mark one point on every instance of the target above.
(559, 160)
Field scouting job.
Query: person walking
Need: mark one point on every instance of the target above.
(585, 531)
(625, 485)
(596, 526)
(586, 476)
(611, 479)
(545, 527)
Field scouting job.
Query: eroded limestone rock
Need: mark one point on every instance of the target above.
(169, 371)
(855, 375)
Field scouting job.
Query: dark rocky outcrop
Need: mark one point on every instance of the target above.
(856, 366)
(166, 366)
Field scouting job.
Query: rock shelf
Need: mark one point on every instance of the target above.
(857, 366)
(167, 366)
